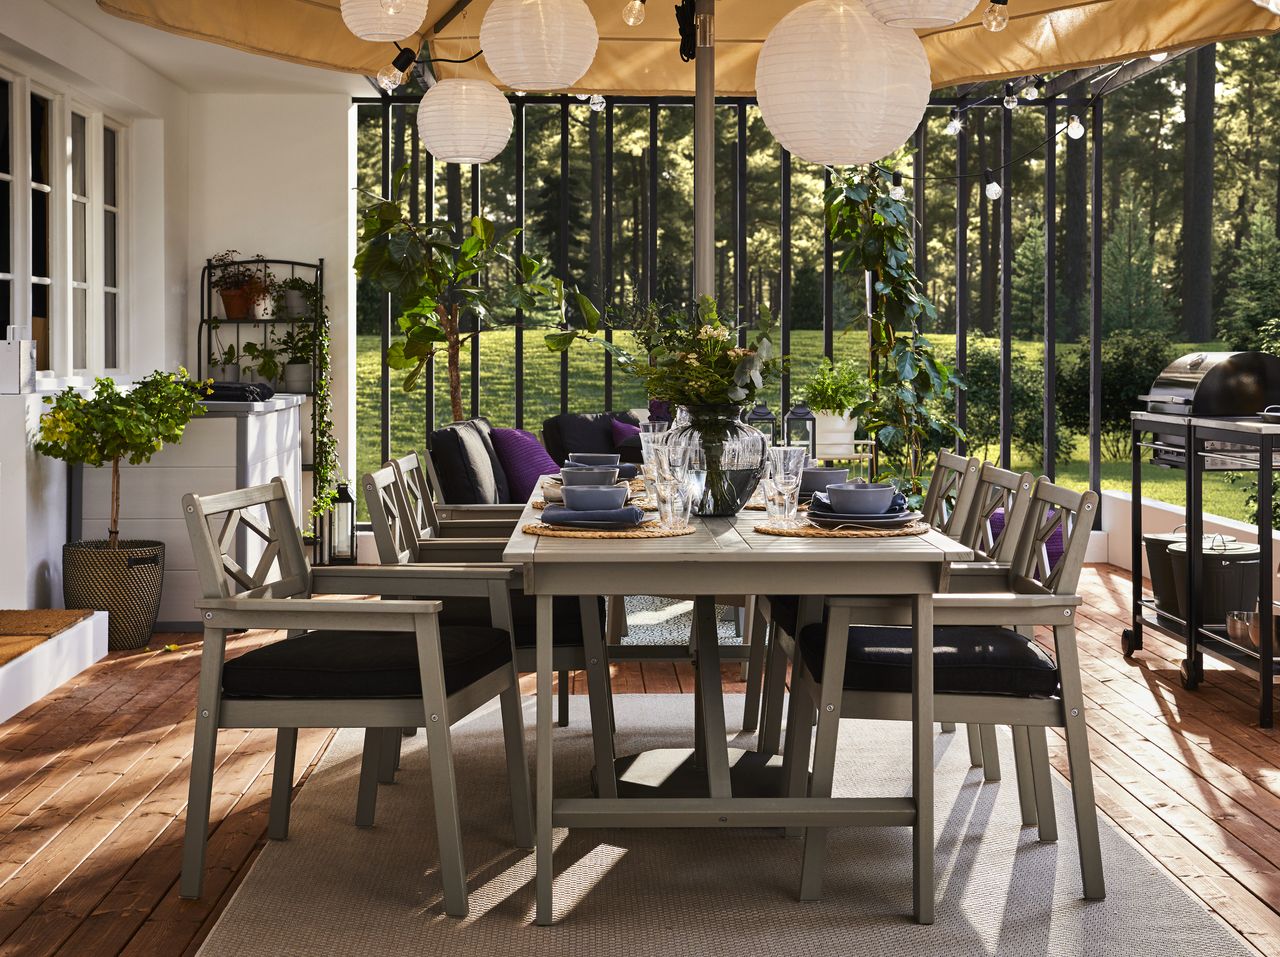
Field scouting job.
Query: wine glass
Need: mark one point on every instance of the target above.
(788, 463)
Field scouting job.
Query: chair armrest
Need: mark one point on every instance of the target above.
(454, 550)
(450, 513)
(308, 613)
(984, 608)
(478, 527)
(980, 568)
(413, 581)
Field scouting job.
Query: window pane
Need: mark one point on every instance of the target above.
(79, 325)
(110, 351)
(109, 166)
(39, 233)
(39, 139)
(6, 160)
(6, 297)
(6, 221)
(79, 242)
(78, 144)
(109, 250)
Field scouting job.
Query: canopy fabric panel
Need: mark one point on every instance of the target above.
(1042, 36)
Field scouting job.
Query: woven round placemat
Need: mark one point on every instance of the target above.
(645, 530)
(761, 507)
(809, 531)
(642, 503)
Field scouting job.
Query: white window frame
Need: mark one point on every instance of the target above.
(9, 277)
(63, 103)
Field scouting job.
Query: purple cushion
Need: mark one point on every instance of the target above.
(1053, 545)
(659, 410)
(624, 433)
(523, 459)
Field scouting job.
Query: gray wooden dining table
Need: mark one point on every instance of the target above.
(727, 556)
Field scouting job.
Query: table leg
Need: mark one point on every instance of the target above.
(711, 696)
(545, 847)
(598, 696)
(922, 755)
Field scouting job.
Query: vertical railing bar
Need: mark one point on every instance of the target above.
(1006, 289)
(1050, 434)
(477, 209)
(828, 281)
(962, 278)
(740, 273)
(918, 197)
(429, 399)
(520, 249)
(384, 379)
(607, 284)
(1095, 311)
(784, 268)
(564, 238)
(651, 227)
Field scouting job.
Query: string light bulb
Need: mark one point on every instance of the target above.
(633, 13)
(954, 125)
(392, 6)
(1075, 129)
(995, 18)
(1033, 91)
(597, 102)
(392, 75)
(993, 189)
(1011, 101)
(896, 192)
(1160, 57)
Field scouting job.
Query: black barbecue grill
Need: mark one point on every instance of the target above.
(1211, 384)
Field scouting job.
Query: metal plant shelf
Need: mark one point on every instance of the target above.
(1208, 444)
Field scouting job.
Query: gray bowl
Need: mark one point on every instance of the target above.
(861, 498)
(817, 478)
(590, 475)
(594, 458)
(585, 498)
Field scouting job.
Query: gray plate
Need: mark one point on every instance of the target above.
(594, 526)
(830, 520)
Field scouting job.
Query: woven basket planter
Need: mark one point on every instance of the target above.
(124, 582)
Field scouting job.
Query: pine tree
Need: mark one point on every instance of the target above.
(1131, 295)
(1251, 313)
(1027, 306)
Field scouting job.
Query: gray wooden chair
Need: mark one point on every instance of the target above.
(391, 515)
(949, 503)
(985, 673)
(381, 666)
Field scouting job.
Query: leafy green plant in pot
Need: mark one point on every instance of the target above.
(297, 346)
(831, 393)
(225, 365)
(122, 577)
(264, 362)
(240, 284)
(294, 298)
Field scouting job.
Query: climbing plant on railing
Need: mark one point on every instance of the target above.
(909, 410)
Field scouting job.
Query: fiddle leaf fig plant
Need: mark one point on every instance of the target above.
(111, 426)
(908, 410)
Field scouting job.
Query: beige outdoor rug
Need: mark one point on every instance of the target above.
(333, 889)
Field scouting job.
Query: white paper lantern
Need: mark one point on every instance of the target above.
(838, 87)
(920, 14)
(372, 19)
(538, 44)
(464, 121)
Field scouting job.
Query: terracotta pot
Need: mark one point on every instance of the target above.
(239, 303)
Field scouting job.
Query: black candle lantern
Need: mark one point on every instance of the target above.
(342, 528)
(800, 427)
(761, 418)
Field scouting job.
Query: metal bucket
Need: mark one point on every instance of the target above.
(1229, 579)
(1161, 569)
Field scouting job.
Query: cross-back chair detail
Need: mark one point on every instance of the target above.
(215, 523)
(415, 488)
(395, 537)
(997, 491)
(1053, 509)
(951, 490)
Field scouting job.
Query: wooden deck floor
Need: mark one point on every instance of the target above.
(93, 786)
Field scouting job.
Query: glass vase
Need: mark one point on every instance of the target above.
(736, 454)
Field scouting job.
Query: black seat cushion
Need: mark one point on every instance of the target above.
(966, 660)
(785, 609)
(467, 465)
(586, 432)
(566, 617)
(357, 664)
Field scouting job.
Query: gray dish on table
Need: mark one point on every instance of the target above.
(591, 497)
(589, 475)
(831, 520)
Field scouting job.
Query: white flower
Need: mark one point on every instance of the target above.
(714, 332)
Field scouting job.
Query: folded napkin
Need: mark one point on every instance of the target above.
(627, 471)
(559, 515)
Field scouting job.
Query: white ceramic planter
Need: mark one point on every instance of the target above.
(297, 377)
(834, 435)
(229, 373)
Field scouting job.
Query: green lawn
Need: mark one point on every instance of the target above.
(586, 378)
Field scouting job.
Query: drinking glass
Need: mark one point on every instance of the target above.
(652, 436)
(787, 463)
(775, 502)
(675, 503)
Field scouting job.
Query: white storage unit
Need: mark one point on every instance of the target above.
(234, 445)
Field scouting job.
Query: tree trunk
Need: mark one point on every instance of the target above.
(1075, 240)
(113, 530)
(1197, 220)
(453, 357)
(453, 198)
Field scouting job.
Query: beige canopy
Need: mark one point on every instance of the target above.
(1042, 36)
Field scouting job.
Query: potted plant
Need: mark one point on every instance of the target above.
(240, 284)
(119, 576)
(831, 393)
(225, 365)
(265, 362)
(297, 346)
(295, 298)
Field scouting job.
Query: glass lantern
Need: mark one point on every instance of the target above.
(342, 528)
(800, 428)
(761, 418)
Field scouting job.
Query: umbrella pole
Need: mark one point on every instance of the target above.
(704, 152)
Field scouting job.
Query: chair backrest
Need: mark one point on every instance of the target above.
(467, 470)
(951, 492)
(220, 526)
(415, 484)
(1001, 501)
(395, 537)
(1055, 537)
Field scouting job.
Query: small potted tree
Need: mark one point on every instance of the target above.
(297, 346)
(240, 285)
(832, 391)
(119, 576)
